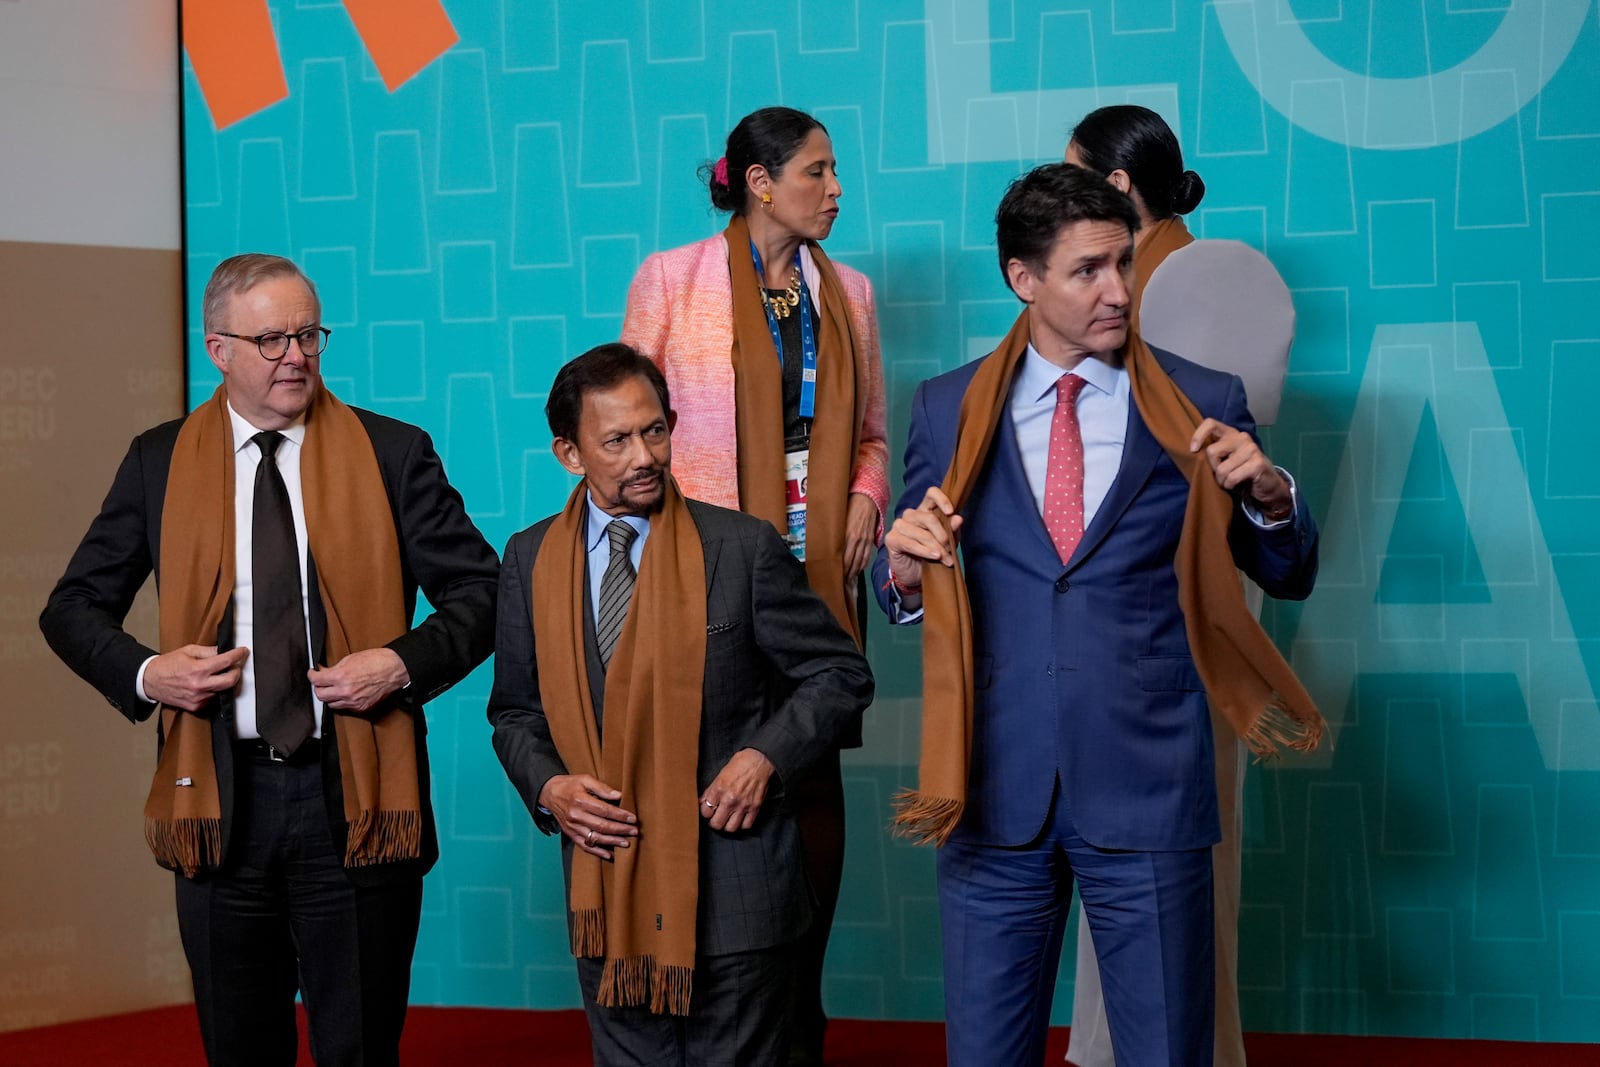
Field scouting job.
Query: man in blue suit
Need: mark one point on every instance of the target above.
(1089, 751)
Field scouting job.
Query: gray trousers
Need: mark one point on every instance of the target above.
(738, 1014)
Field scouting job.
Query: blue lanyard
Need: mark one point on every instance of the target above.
(808, 336)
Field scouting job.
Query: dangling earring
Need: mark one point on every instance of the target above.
(766, 200)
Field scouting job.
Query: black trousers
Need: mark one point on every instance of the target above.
(738, 1016)
(281, 915)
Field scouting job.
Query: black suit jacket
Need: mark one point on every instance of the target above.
(780, 677)
(440, 550)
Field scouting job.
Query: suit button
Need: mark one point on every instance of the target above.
(1062, 585)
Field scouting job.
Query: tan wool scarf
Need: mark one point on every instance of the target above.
(835, 430)
(638, 911)
(1160, 239)
(358, 572)
(1244, 674)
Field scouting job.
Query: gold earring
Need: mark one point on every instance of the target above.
(766, 198)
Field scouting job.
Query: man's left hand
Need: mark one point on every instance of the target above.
(860, 537)
(734, 799)
(1241, 467)
(359, 681)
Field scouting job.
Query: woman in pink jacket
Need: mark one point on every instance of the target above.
(771, 353)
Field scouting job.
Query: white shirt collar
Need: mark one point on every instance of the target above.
(243, 431)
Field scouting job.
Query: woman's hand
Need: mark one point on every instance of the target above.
(860, 536)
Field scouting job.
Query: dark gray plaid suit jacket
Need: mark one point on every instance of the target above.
(781, 677)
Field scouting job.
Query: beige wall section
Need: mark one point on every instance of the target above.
(91, 352)
(91, 356)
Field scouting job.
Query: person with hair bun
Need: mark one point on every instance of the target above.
(1135, 150)
(771, 353)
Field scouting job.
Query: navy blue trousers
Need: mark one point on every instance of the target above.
(1004, 911)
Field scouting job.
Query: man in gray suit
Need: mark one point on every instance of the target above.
(671, 673)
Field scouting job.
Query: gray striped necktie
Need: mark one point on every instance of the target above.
(616, 589)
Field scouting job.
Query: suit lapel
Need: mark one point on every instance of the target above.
(1140, 452)
(318, 621)
(1011, 480)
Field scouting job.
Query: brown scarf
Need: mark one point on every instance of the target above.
(1244, 674)
(1162, 238)
(835, 431)
(358, 573)
(638, 912)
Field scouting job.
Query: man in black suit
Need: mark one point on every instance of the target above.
(292, 791)
(666, 798)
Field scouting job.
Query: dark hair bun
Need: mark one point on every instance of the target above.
(1187, 192)
(770, 137)
(722, 197)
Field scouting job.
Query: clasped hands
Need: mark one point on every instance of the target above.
(928, 532)
(191, 676)
(590, 815)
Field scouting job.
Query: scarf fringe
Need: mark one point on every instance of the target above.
(185, 844)
(1279, 727)
(589, 933)
(923, 819)
(670, 988)
(382, 837)
(630, 982)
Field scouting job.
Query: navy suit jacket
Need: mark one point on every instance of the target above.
(1083, 675)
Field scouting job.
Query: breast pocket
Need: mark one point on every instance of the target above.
(725, 637)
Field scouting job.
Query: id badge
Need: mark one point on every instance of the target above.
(796, 469)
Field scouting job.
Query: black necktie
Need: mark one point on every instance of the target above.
(278, 653)
(616, 589)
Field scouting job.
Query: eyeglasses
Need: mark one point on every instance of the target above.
(274, 345)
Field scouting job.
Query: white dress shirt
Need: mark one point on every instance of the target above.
(246, 457)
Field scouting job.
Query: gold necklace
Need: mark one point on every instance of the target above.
(785, 302)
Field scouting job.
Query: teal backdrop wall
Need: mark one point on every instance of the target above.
(1425, 174)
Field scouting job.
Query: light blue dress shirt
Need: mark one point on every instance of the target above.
(1102, 418)
(1103, 422)
(597, 547)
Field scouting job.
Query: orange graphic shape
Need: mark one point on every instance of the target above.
(402, 36)
(235, 57)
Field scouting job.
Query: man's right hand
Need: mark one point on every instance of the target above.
(587, 811)
(918, 536)
(191, 676)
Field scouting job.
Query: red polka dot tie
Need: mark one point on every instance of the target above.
(1063, 481)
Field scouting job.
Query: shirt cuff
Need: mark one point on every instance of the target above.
(138, 681)
(1253, 513)
(898, 615)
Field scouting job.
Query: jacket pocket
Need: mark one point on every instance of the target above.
(1166, 673)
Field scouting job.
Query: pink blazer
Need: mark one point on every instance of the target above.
(680, 314)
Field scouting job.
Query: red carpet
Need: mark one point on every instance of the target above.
(169, 1037)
